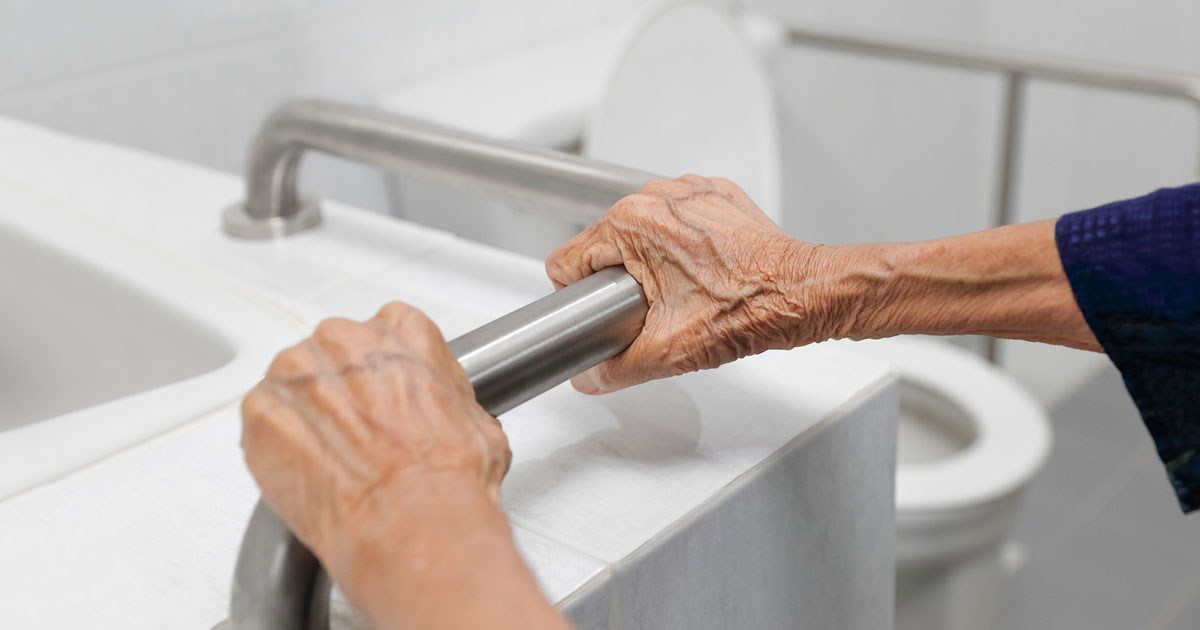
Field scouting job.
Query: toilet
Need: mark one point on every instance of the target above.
(970, 441)
(587, 93)
(683, 90)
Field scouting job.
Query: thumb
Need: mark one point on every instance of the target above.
(612, 375)
(587, 383)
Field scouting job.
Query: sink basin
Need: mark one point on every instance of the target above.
(73, 337)
(105, 342)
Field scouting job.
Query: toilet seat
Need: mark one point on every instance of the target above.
(1013, 432)
(688, 93)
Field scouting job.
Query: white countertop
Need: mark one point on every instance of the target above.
(147, 537)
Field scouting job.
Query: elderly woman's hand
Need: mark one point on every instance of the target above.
(723, 282)
(721, 279)
(367, 440)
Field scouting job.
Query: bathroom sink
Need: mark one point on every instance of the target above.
(72, 336)
(105, 342)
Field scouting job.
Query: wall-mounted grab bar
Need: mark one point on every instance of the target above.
(278, 583)
(573, 187)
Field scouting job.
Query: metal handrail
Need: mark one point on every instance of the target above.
(571, 186)
(1017, 68)
(278, 583)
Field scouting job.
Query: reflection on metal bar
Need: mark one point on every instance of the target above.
(571, 186)
(547, 342)
(278, 583)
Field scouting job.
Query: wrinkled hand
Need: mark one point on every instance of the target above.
(359, 435)
(721, 279)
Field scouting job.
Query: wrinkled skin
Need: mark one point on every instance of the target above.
(722, 281)
(367, 440)
(357, 426)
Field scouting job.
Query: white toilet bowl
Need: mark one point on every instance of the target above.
(970, 442)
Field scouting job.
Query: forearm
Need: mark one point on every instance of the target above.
(455, 567)
(1006, 282)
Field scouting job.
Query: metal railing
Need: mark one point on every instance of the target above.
(1017, 69)
(278, 583)
(572, 187)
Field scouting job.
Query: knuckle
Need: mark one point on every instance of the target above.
(395, 312)
(637, 205)
(253, 406)
(398, 317)
(722, 182)
(726, 186)
(333, 328)
(656, 186)
(290, 362)
(258, 420)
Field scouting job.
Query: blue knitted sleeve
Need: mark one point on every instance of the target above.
(1134, 267)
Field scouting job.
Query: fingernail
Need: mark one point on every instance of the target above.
(585, 384)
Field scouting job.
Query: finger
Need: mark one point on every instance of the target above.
(281, 453)
(499, 455)
(292, 362)
(605, 378)
(344, 392)
(627, 369)
(407, 329)
(589, 252)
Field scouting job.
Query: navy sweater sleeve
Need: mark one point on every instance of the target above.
(1134, 267)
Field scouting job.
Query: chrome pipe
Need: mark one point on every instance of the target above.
(1033, 65)
(572, 187)
(278, 583)
(547, 342)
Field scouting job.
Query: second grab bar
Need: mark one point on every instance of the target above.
(278, 583)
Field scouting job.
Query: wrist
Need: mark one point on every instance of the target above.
(847, 291)
(443, 557)
(1005, 282)
(410, 527)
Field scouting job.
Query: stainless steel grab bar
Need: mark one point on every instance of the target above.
(573, 187)
(278, 583)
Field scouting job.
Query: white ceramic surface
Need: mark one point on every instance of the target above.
(594, 481)
(167, 206)
(807, 526)
(688, 94)
(1013, 432)
(109, 344)
(74, 336)
(650, 454)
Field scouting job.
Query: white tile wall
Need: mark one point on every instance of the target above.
(194, 79)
